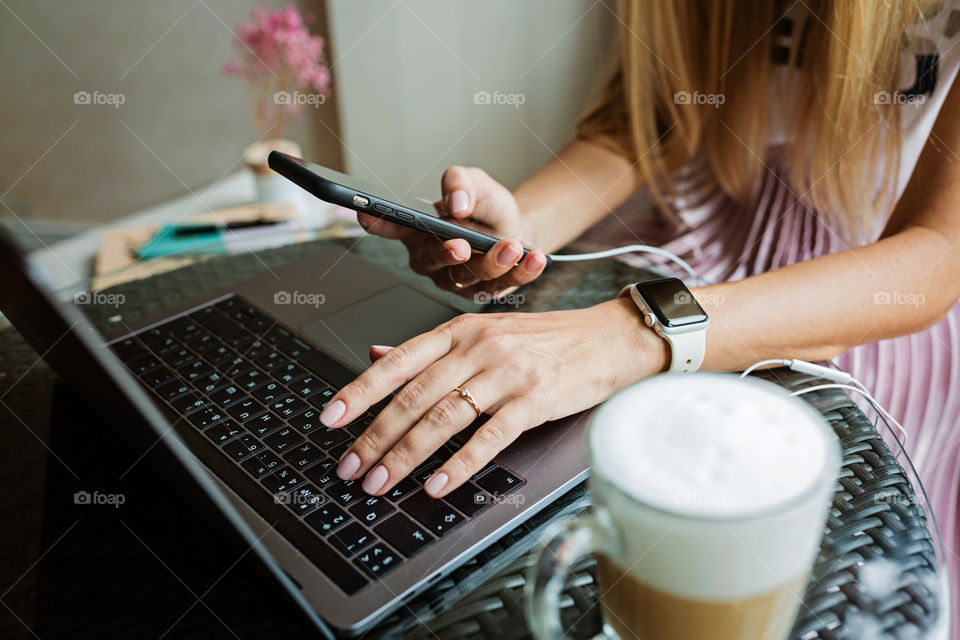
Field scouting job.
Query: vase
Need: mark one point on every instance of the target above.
(271, 186)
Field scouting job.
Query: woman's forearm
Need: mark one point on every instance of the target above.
(817, 309)
(573, 191)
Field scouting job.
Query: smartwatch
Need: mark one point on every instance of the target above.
(670, 309)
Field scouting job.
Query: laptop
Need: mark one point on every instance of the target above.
(223, 396)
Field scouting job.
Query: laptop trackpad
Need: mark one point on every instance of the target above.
(389, 317)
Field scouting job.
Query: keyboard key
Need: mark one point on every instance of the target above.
(289, 374)
(402, 489)
(360, 424)
(218, 324)
(283, 440)
(244, 409)
(403, 534)
(468, 499)
(143, 364)
(327, 519)
(330, 438)
(321, 399)
(303, 500)
(178, 358)
(283, 480)
(156, 377)
(377, 560)
(264, 424)
(187, 403)
(209, 383)
(151, 337)
(273, 361)
(183, 328)
(437, 516)
(219, 355)
(251, 379)
(341, 572)
(307, 421)
(499, 481)
(269, 392)
(371, 510)
(307, 386)
(129, 348)
(288, 407)
(172, 389)
(345, 492)
(224, 432)
(262, 464)
(323, 474)
(238, 367)
(304, 455)
(340, 449)
(242, 447)
(487, 467)
(165, 346)
(227, 395)
(352, 538)
(208, 417)
(195, 370)
(423, 473)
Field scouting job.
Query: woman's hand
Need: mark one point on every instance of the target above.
(470, 196)
(523, 369)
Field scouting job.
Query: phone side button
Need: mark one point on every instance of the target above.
(403, 215)
(381, 208)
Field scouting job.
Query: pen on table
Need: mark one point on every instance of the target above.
(194, 230)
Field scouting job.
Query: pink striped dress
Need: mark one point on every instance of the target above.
(915, 377)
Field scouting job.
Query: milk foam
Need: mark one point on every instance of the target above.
(719, 485)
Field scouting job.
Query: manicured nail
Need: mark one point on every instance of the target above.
(459, 201)
(508, 255)
(436, 483)
(332, 412)
(452, 256)
(532, 263)
(381, 347)
(375, 479)
(348, 466)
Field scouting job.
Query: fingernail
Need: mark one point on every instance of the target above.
(436, 483)
(452, 256)
(508, 255)
(459, 201)
(332, 412)
(375, 479)
(381, 347)
(348, 466)
(532, 263)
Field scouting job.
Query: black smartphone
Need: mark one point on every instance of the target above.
(337, 188)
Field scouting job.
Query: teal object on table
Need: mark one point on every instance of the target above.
(166, 242)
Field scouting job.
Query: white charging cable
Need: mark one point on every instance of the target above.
(633, 248)
(840, 380)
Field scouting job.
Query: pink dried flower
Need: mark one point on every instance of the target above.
(279, 59)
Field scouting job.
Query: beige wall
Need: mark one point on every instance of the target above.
(165, 58)
(408, 73)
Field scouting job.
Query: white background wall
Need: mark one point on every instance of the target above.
(407, 72)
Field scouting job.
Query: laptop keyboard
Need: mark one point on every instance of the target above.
(236, 376)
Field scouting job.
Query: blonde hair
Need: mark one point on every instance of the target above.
(842, 137)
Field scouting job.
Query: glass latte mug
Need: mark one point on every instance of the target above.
(710, 496)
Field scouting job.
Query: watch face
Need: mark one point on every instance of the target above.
(671, 302)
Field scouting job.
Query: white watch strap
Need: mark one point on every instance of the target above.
(686, 350)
